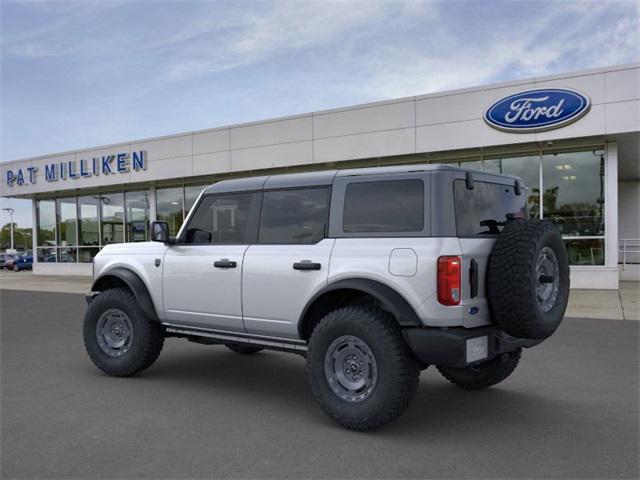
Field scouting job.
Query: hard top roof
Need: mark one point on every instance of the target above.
(326, 177)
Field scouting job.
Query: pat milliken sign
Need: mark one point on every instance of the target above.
(537, 110)
(117, 163)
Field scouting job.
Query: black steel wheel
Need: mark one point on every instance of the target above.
(528, 279)
(119, 338)
(361, 371)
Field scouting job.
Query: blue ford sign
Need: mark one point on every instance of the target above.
(537, 110)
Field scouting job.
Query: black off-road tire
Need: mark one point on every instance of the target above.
(147, 340)
(243, 349)
(484, 375)
(513, 283)
(398, 370)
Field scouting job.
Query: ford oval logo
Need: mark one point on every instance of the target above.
(537, 110)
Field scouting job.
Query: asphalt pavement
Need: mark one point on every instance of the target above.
(570, 410)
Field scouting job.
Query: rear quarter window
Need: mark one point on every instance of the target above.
(482, 210)
(384, 206)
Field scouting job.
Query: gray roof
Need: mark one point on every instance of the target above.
(325, 177)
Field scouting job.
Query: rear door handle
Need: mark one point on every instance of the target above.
(224, 263)
(473, 277)
(306, 265)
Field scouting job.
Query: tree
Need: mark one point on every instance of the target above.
(22, 237)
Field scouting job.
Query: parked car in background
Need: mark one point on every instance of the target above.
(23, 262)
(6, 258)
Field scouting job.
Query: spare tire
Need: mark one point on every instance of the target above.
(528, 279)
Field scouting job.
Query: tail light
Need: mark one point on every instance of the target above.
(449, 281)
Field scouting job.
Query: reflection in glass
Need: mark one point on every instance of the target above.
(86, 254)
(88, 220)
(112, 218)
(169, 204)
(137, 215)
(46, 220)
(528, 169)
(67, 254)
(66, 221)
(574, 192)
(190, 196)
(585, 252)
(46, 255)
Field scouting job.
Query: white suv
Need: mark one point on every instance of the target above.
(371, 274)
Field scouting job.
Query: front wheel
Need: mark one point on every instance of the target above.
(120, 340)
(360, 369)
(476, 377)
(16, 268)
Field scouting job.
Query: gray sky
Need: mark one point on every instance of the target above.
(80, 74)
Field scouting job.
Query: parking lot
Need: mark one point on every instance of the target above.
(569, 411)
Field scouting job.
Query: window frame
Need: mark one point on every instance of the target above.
(336, 218)
(252, 222)
(325, 231)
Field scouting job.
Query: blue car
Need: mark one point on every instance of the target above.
(24, 262)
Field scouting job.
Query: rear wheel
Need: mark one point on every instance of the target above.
(476, 377)
(120, 340)
(243, 349)
(360, 369)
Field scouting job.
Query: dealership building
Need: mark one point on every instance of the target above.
(573, 138)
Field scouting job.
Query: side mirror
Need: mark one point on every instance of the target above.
(160, 232)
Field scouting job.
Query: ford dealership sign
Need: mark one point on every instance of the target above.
(537, 110)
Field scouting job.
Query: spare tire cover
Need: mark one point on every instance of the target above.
(528, 279)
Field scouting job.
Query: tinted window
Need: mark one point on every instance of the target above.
(223, 219)
(294, 216)
(390, 206)
(479, 211)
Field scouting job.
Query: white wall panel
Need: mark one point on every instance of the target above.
(379, 144)
(286, 154)
(469, 134)
(623, 116)
(465, 106)
(271, 133)
(623, 85)
(593, 123)
(592, 85)
(212, 141)
(166, 147)
(208, 163)
(166, 168)
(360, 120)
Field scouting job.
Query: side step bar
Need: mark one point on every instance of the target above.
(274, 343)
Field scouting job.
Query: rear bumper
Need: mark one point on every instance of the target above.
(460, 347)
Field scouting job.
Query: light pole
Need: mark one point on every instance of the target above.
(11, 212)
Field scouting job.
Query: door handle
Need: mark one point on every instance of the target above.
(224, 263)
(306, 265)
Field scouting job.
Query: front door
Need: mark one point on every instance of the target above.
(202, 272)
(290, 262)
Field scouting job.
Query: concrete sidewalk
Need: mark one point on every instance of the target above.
(623, 304)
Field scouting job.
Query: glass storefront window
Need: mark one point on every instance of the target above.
(88, 220)
(67, 213)
(527, 168)
(112, 219)
(585, 252)
(574, 192)
(86, 254)
(169, 208)
(46, 219)
(47, 254)
(190, 196)
(137, 216)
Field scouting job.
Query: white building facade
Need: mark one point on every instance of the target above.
(574, 138)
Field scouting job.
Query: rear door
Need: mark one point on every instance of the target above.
(480, 215)
(290, 262)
